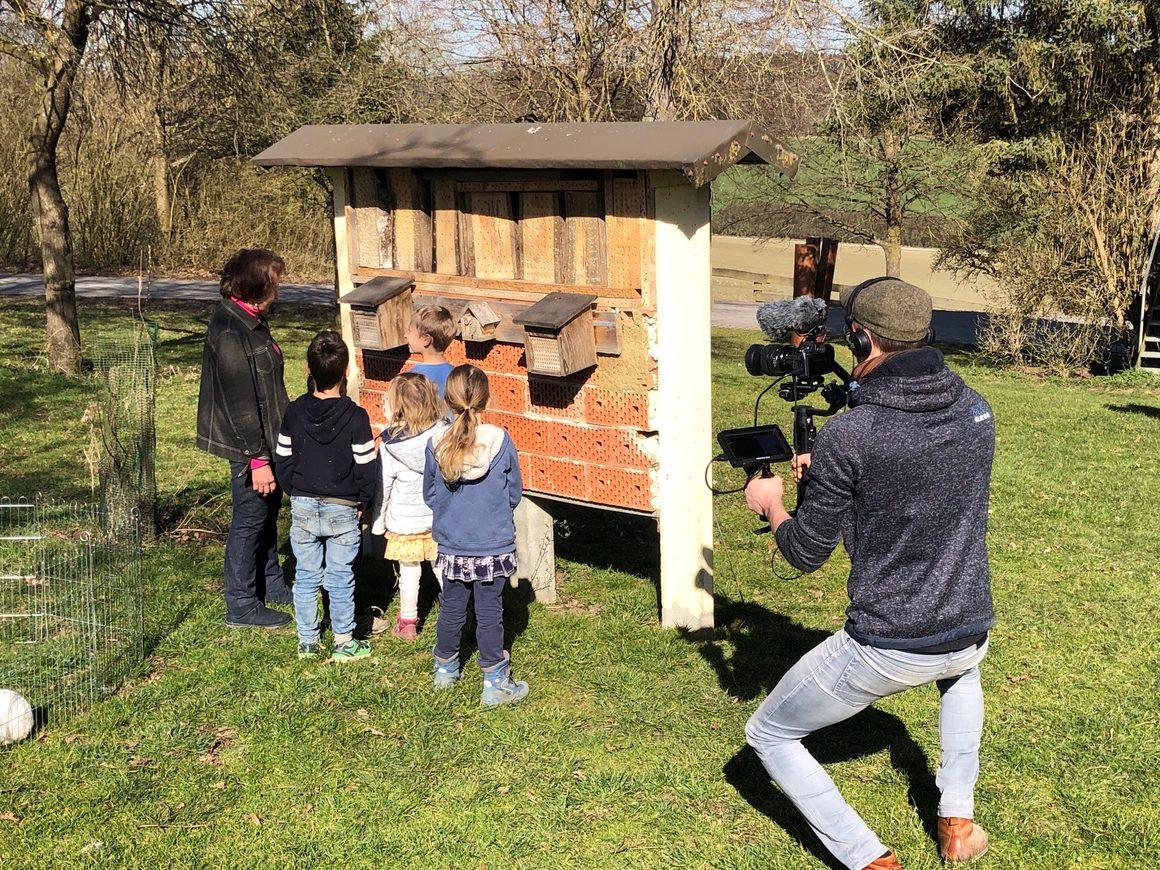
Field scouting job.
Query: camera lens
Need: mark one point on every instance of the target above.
(769, 359)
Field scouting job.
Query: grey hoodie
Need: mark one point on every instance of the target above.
(903, 477)
(402, 509)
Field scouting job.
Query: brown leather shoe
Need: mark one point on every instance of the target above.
(889, 861)
(960, 841)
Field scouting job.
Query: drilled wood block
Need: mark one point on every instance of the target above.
(493, 235)
(413, 229)
(541, 226)
(371, 211)
(585, 258)
(446, 218)
(625, 214)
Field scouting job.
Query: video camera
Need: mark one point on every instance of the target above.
(807, 360)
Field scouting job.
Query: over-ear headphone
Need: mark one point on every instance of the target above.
(857, 339)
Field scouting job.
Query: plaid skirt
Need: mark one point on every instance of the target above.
(472, 569)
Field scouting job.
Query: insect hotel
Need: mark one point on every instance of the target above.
(575, 258)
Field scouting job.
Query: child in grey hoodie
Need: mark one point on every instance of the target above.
(416, 416)
(472, 484)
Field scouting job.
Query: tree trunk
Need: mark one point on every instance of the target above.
(892, 205)
(50, 212)
(665, 47)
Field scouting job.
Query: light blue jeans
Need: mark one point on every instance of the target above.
(325, 539)
(837, 679)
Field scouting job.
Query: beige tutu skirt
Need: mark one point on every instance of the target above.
(418, 547)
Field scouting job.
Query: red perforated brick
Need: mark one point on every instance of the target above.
(616, 447)
(560, 477)
(493, 356)
(620, 488)
(526, 468)
(372, 401)
(567, 442)
(456, 353)
(606, 408)
(550, 397)
(530, 436)
(508, 393)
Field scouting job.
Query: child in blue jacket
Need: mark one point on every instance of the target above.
(471, 482)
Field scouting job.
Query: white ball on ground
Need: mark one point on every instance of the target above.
(16, 719)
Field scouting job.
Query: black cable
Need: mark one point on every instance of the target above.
(757, 401)
(720, 457)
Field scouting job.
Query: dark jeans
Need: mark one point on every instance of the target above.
(488, 619)
(252, 569)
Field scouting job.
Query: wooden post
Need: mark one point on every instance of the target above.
(805, 268)
(684, 408)
(536, 549)
(339, 205)
(827, 260)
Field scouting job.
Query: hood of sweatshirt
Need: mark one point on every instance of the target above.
(488, 443)
(410, 450)
(324, 419)
(913, 380)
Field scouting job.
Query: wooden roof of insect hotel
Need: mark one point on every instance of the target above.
(701, 150)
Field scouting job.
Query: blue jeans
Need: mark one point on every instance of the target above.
(488, 619)
(325, 539)
(252, 569)
(837, 679)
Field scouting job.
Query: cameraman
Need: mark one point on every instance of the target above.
(903, 477)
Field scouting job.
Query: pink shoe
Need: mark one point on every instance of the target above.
(406, 629)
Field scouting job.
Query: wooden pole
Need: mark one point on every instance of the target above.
(805, 268)
(828, 259)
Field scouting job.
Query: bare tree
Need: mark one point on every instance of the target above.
(52, 42)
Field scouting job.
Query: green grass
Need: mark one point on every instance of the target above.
(228, 751)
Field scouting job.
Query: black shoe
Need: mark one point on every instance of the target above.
(260, 617)
(283, 594)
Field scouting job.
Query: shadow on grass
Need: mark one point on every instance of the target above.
(765, 645)
(1135, 408)
(608, 539)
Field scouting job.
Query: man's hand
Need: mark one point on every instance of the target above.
(762, 494)
(801, 462)
(262, 479)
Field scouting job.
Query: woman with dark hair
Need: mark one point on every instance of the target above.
(239, 410)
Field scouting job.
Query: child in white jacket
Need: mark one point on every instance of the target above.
(414, 418)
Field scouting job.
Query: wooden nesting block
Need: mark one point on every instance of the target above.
(372, 219)
(558, 334)
(493, 235)
(585, 257)
(380, 312)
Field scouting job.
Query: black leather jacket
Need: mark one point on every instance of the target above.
(242, 395)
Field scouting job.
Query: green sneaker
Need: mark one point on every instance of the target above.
(351, 650)
(309, 650)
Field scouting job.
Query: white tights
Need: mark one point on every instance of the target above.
(409, 574)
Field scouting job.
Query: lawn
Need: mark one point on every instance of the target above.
(227, 751)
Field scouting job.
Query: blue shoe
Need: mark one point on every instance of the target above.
(499, 687)
(446, 672)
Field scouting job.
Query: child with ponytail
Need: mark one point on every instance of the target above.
(471, 482)
(415, 416)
